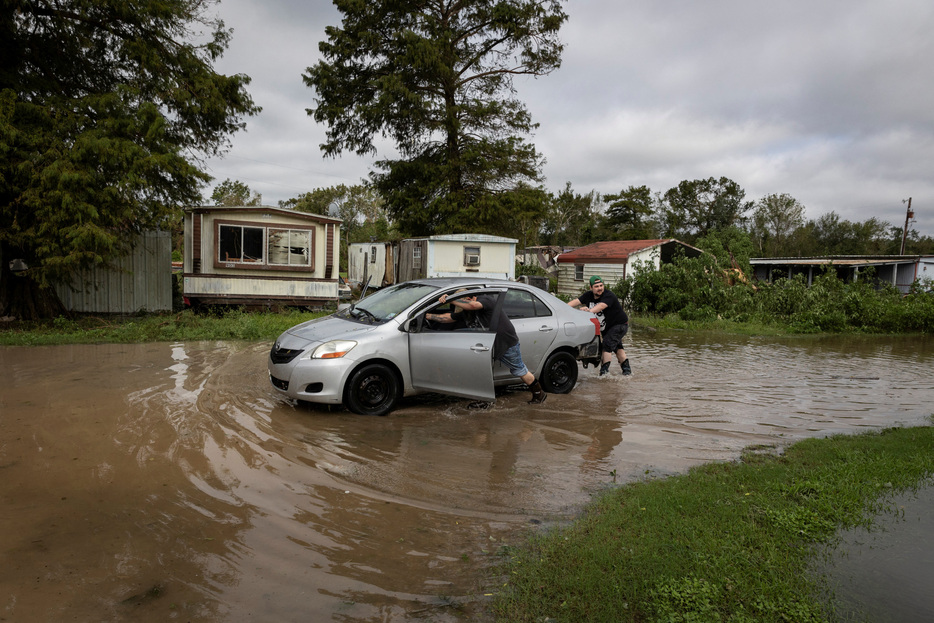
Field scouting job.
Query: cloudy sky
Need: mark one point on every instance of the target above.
(830, 101)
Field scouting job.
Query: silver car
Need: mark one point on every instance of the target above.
(372, 353)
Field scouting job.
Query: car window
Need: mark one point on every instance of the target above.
(463, 320)
(524, 304)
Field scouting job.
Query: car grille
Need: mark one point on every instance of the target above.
(283, 385)
(283, 355)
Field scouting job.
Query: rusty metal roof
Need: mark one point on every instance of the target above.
(615, 251)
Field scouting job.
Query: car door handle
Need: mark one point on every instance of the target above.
(545, 328)
(479, 348)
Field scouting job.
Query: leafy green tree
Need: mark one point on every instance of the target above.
(104, 107)
(525, 207)
(359, 207)
(572, 218)
(629, 214)
(693, 208)
(731, 246)
(774, 220)
(235, 193)
(831, 235)
(436, 79)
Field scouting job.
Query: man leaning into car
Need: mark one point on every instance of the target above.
(505, 344)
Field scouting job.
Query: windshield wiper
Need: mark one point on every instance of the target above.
(365, 312)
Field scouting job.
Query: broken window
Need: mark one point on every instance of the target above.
(290, 247)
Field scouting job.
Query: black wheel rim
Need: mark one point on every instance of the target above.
(373, 390)
(560, 374)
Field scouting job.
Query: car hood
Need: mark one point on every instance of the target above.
(326, 329)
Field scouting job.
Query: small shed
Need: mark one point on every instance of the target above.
(373, 261)
(899, 270)
(137, 282)
(260, 256)
(614, 260)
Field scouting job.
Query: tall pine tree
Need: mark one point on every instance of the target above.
(435, 77)
(105, 106)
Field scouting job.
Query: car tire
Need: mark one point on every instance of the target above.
(559, 376)
(374, 389)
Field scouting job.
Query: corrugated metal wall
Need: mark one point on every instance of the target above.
(143, 281)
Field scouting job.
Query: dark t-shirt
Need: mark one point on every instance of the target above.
(612, 315)
(505, 332)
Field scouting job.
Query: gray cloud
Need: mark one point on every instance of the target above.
(829, 101)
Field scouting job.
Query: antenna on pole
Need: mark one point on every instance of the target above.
(910, 215)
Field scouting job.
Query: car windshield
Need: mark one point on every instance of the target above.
(388, 303)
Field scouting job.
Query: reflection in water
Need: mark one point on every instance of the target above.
(884, 574)
(168, 481)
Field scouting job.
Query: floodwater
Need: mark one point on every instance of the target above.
(162, 482)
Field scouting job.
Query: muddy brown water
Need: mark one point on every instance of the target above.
(162, 482)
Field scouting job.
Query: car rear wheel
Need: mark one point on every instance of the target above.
(559, 376)
(372, 390)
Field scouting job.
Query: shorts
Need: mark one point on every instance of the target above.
(512, 359)
(613, 337)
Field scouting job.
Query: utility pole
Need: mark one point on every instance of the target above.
(908, 217)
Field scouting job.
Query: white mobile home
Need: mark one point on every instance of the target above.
(614, 260)
(260, 256)
(456, 255)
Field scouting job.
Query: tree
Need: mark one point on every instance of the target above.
(102, 103)
(831, 235)
(629, 213)
(359, 207)
(774, 220)
(235, 193)
(694, 208)
(436, 78)
(572, 218)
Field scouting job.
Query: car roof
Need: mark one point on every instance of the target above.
(444, 282)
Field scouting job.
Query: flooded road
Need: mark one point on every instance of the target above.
(162, 482)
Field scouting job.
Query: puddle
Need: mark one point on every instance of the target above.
(162, 482)
(884, 574)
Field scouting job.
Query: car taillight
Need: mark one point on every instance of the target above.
(596, 326)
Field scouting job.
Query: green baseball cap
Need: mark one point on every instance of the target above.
(594, 280)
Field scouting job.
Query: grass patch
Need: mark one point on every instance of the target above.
(672, 322)
(175, 327)
(726, 542)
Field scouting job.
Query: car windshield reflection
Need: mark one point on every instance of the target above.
(388, 303)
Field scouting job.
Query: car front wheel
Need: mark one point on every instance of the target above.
(372, 390)
(559, 376)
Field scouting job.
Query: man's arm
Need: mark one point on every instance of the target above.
(439, 317)
(575, 303)
(462, 303)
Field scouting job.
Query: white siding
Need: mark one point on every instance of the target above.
(569, 286)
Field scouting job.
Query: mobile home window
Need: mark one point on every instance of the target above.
(240, 243)
(416, 257)
(290, 247)
(578, 272)
(372, 255)
(471, 256)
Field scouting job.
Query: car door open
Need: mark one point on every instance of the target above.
(455, 361)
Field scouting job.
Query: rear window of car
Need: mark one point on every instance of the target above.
(524, 304)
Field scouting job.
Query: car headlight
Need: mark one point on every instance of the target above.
(333, 349)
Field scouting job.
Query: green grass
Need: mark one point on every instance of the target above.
(673, 323)
(174, 327)
(729, 542)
